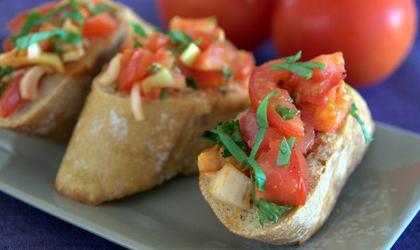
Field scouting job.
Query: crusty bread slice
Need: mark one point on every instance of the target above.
(111, 155)
(332, 160)
(61, 99)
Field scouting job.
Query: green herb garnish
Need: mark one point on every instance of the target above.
(303, 69)
(285, 151)
(61, 34)
(32, 19)
(262, 122)
(270, 211)
(164, 94)
(5, 71)
(75, 14)
(191, 82)
(227, 73)
(137, 44)
(199, 41)
(179, 37)
(100, 8)
(286, 113)
(138, 29)
(354, 112)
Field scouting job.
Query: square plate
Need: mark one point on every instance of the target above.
(378, 202)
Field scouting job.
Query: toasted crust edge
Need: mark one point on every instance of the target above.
(331, 164)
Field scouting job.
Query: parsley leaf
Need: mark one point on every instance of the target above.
(63, 35)
(302, 69)
(32, 19)
(286, 113)
(270, 211)
(354, 112)
(75, 14)
(138, 29)
(262, 122)
(227, 73)
(164, 94)
(179, 37)
(191, 82)
(100, 8)
(285, 151)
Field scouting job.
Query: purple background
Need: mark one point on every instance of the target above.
(396, 101)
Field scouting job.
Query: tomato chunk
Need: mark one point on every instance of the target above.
(134, 68)
(99, 25)
(208, 79)
(284, 185)
(11, 100)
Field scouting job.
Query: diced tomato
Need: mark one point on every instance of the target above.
(316, 89)
(135, 65)
(164, 57)
(204, 29)
(217, 56)
(329, 117)
(8, 44)
(100, 25)
(249, 130)
(11, 100)
(156, 41)
(242, 66)
(285, 185)
(305, 143)
(16, 24)
(208, 79)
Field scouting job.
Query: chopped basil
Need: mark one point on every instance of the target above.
(286, 113)
(62, 35)
(303, 69)
(285, 151)
(179, 37)
(164, 94)
(100, 8)
(227, 73)
(75, 14)
(137, 44)
(262, 122)
(32, 20)
(270, 211)
(354, 112)
(138, 29)
(191, 82)
(199, 41)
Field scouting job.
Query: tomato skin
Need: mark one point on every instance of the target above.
(247, 28)
(242, 66)
(155, 42)
(285, 185)
(100, 25)
(134, 68)
(215, 57)
(11, 100)
(263, 81)
(375, 36)
(208, 79)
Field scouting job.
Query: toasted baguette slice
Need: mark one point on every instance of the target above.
(54, 114)
(331, 162)
(111, 155)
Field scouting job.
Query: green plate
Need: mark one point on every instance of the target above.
(378, 202)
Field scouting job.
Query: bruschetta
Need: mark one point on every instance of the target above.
(50, 59)
(275, 173)
(143, 120)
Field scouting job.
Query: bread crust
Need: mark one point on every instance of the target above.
(331, 162)
(62, 97)
(111, 155)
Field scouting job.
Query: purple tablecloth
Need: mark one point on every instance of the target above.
(396, 101)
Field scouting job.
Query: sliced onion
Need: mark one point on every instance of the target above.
(110, 75)
(231, 186)
(28, 86)
(136, 102)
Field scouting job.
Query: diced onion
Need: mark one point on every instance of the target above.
(15, 60)
(110, 75)
(28, 86)
(162, 78)
(231, 186)
(136, 102)
(190, 54)
(34, 50)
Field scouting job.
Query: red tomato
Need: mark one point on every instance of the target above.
(156, 41)
(208, 79)
(329, 117)
(315, 90)
(217, 56)
(164, 57)
(305, 143)
(134, 68)
(263, 81)
(246, 22)
(242, 66)
(11, 100)
(249, 130)
(284, 185)
(8, 44)
(375, 36)
(99, 25)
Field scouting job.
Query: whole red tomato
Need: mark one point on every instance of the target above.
(374, 35)
(246, 22)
